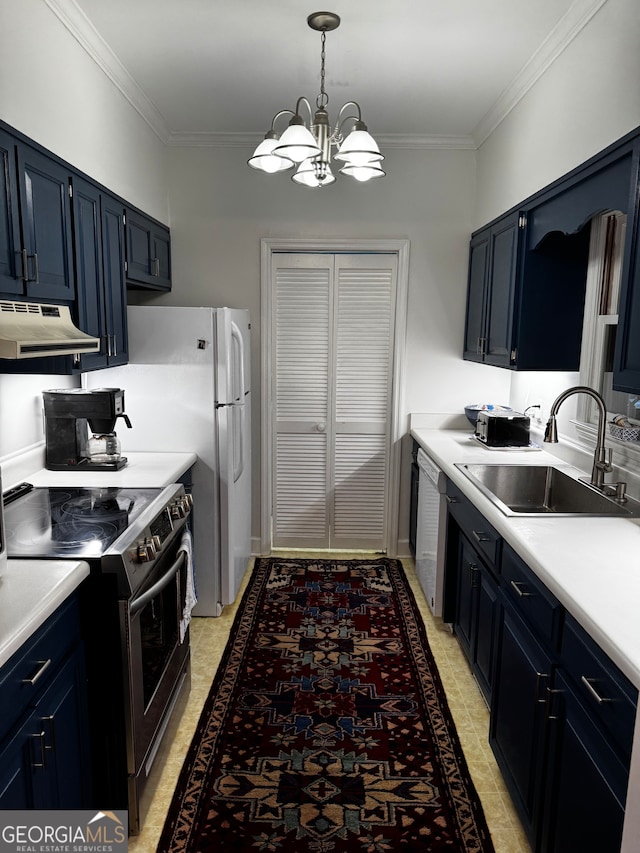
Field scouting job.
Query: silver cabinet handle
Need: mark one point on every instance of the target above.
(520, 592)
(479, 536)
(44, 665)
(594, 693)
(25, 272)
(39, 737)
(451, 500)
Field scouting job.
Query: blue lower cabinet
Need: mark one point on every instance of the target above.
(44, 743)
(518, 731)
(586, 788)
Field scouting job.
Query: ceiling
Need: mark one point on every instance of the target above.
(430, 72)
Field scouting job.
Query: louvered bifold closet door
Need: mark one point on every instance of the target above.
(364, 324)
(301, 334)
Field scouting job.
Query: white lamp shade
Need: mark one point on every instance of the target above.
(307, 176)
(363, 173)
(297, 144)
(265, 160)
(359, 149)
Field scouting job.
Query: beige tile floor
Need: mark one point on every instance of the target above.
(208, 639)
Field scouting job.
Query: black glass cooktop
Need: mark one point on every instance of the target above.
(71, 522)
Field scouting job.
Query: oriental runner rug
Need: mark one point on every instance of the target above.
(326, 728)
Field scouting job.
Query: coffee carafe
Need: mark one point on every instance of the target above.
(69, 415)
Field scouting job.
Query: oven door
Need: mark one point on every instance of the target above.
(156, 657)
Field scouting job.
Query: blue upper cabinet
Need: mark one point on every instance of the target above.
(99, 253)
(491, 294)
(148, 252)
(35, 225)
(10, 240)
(528, 272)
(46, 252)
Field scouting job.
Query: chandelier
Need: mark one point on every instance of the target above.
(309, 148)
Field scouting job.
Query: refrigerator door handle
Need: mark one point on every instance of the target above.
(239, 438)
(236, 335)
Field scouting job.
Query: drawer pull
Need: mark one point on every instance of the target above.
(594, 693)
(41, 738)
(480, 536)
(44, 665)
(451, 500)
(521, 592)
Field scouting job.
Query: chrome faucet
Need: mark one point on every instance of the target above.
(601, 457)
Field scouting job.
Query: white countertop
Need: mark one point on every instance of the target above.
(142, 470)
(592, 565)
(30, 591)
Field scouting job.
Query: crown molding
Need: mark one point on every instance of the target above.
(573, 21)
(81, 28)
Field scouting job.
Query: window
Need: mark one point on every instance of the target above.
(600, 326)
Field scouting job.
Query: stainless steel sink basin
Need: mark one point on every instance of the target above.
(543, 490)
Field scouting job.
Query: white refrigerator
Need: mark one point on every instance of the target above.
(188, 388)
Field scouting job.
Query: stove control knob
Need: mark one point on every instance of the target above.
(146, 551)
(188, 501)
(157, 543)
(177, 509)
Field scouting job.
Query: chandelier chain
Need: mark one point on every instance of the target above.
(323, 99)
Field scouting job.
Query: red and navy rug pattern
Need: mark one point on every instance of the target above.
(326, 728)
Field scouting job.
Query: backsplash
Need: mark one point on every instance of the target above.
(21, 419)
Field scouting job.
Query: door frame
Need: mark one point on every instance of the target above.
(268, 247)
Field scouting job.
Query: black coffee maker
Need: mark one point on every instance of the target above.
(69, 414)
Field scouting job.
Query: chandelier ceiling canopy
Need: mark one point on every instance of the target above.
(309, 147)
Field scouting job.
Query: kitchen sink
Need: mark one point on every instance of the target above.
(536, 490)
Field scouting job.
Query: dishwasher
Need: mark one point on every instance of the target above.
(431, 531)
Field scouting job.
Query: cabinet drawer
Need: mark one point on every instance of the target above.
(603, 689)
(32, 667)
(480, 533)
(530, 596)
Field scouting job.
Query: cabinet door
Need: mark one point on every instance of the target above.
(63, 723)
(501, 292)
(518, 725)
(46, 226)
(485, 633)
(476, 614)
(113, 254)
(10, 258)
(474, 343)
(148, 252)
(161, 245)
(88, 253)
(468, 581)
(99, 250)
(586, 784)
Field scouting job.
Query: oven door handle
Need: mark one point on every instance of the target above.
(145, 597)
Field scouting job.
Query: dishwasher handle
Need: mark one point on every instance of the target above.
(429, 468)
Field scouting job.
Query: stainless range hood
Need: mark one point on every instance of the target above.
(33, 330)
